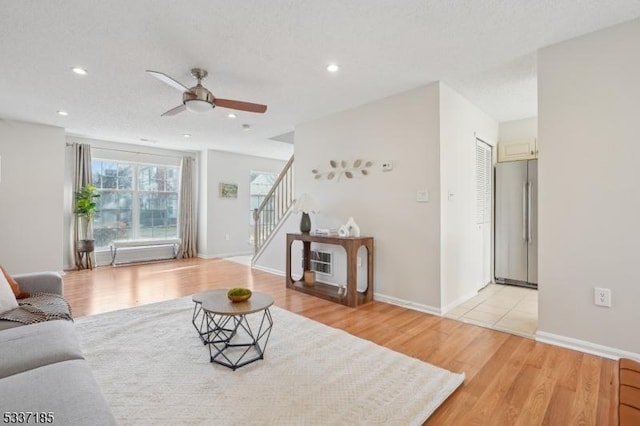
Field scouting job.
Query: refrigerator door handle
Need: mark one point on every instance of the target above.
(529, 191)
(524, 212)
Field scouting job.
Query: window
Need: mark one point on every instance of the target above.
(261, 184)
(136, 201)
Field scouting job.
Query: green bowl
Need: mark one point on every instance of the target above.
(239, 294)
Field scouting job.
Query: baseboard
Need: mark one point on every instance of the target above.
(458, 301)
(376, 296)
(220, 255)
(584, 346)
(205, 256)
(269, 270)
(240, 253)
(407, 304)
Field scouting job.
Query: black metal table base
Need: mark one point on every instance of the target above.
(199, 321)
(231, 339)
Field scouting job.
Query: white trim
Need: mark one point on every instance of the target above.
(584, 346)
(407, 304)
(488, 141)
(220, 255)
(376, 296)
(458, 301)
(269, 270)
(205, 256)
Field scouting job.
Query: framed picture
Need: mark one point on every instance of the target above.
(228, 190)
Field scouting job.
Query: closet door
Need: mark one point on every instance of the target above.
(484, 203)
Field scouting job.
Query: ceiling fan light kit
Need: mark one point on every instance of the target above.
(199, 99)
(198, 106)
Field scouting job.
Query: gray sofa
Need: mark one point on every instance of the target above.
(42, 369)
(42, 282)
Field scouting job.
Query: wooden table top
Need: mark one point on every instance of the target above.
(206, 295)
(217, 302)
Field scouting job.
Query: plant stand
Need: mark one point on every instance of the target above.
(84, 249)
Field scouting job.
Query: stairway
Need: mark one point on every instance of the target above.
(274, 208)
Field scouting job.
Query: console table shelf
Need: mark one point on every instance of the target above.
(349, 296)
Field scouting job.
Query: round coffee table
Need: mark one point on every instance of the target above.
(198, 319)
(235, 336)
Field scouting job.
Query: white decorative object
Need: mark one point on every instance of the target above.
(352, 228)
(306, 203)
(343, 232)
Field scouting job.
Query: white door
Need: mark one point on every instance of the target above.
(484, 203)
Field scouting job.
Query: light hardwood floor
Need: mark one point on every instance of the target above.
(510, 380)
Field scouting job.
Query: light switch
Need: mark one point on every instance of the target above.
(422, 196)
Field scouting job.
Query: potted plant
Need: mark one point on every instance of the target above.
(86, 208)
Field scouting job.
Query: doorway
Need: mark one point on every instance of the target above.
(500, 307)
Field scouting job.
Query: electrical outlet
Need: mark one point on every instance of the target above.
(602, 297)
(226, 237)
(422, 196)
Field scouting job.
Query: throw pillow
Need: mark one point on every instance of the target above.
(7, 298)
(14, 285)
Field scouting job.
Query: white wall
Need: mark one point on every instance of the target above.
(527, 128)
(427, 255)
(462, 238)
(402, 129)
(31, 197)
(589, 89)
(230, 216)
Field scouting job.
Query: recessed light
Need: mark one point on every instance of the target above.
(187, 135)
(79, 71)
(61, 112)
(333, 67)
(231, 115)
(246, 127)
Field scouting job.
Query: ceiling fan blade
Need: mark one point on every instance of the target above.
(242, 106)
(174, 111)
(170, 81)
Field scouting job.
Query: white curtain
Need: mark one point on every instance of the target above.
(82, 177)
(188, 225)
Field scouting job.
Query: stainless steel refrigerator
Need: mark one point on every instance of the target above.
(516, 226)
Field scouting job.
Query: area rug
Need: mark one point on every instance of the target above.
(154, 370)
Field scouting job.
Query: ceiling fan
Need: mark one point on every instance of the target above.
(199, 99)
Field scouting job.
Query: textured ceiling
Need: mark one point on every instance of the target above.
(272, 52)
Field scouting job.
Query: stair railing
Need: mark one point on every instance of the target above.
(273, 207)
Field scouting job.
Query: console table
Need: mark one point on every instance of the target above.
(351, 297)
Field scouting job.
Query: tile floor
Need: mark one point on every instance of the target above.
(243, 260)
(501, 307)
